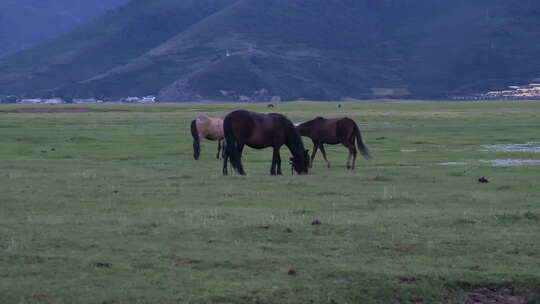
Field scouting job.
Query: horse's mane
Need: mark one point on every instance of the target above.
(312, 121)
(294, 140)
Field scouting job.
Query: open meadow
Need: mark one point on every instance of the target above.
(107, 205)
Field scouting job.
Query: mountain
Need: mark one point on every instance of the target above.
(313, 49)
(25, 23)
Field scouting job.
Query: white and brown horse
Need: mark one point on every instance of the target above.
(207, 127)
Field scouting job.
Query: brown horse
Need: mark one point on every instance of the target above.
(334, 131)
(260, 131)
(207, 127)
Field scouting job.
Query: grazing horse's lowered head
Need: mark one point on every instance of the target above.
(293, 162)
(258, 130)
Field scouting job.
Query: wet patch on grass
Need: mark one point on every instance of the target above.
(511, 162)
(531, 147)
(452, 164)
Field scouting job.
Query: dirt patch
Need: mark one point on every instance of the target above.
(500, 296)
(52, 110)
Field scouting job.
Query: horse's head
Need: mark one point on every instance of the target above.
(300, 163)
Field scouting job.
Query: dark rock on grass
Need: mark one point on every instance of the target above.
(483, 180)
(292, 272)
(102, 265)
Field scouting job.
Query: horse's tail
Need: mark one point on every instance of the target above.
(231, 146)
(196, 140)
(363, 149)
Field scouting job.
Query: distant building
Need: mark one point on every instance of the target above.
(86, 100)
(41, 101)
(244, 98)
(148, 99)
(531, 91)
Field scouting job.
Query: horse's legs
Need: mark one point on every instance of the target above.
(355, 151)
(275, 157)
(324, 155)
(352, 154)
(218, 148)
(315, 146)
(240, 148)
(225, 159)
(354, 159)
(278, 162)
(223, 147)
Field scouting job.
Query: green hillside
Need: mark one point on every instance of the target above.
(25, 23)
(314, 49)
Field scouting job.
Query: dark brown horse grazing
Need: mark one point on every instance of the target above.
(334, 131)
(207, 127)
(260, 131)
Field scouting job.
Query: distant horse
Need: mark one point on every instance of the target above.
(334, 131)
(207, 127)
(260, 131)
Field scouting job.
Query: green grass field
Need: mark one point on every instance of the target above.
(108, 206)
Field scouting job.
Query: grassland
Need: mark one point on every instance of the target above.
(108, 206)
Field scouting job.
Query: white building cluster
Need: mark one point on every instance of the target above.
(519, 92)
(52, 101)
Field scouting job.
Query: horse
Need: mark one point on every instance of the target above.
(260, 131)
(334, 131)
(207, 127)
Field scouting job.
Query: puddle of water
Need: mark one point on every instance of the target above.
(533, 147)
(452, 163)
(511, 162)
